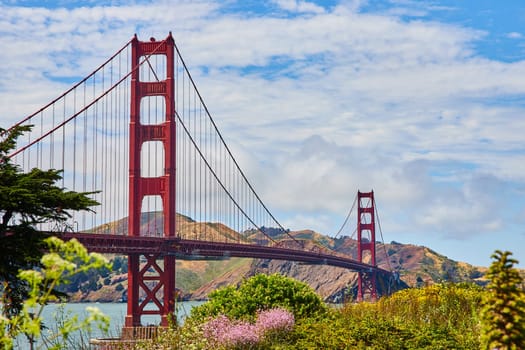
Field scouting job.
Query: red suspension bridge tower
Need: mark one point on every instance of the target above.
(159, 287)
(366, 243)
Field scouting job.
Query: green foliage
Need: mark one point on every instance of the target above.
(27, 199)
(442, 316)
(444, 305)
(86, 281)
(435, 317)
(120, 265)
(503, 315)
(188, 280)
(262, 292)
(189, 337)
(64, 259)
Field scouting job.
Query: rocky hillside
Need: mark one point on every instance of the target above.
(416, 265)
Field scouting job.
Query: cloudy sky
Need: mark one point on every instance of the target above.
(421, 101)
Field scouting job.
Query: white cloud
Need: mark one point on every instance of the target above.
(514, 35)
(299, 6)
(334, 100)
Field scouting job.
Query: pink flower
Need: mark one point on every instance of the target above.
(222, 331)
(275, 320)
(225, 332)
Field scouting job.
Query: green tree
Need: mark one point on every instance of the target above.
(27, 199)
(262, 292)
(503, 313)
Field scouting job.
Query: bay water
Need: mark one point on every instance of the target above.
(53, 313)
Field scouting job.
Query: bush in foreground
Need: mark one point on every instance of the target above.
(261, 292)
(442, 316)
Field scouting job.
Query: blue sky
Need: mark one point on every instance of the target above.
(421, 101)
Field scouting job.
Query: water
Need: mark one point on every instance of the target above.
(116, 312)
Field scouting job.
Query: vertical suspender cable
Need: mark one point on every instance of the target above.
(52, 142)
(84, 154)
(40, 164)
(177, 148)
(201, 194)
(120, 130)
(94, 150)
(184, 176)
(104, 136)
(63, 142)
(116, 143)
(193, 121)
(74, 139)
(126, 132)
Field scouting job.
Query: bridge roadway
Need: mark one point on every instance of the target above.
(194, 249)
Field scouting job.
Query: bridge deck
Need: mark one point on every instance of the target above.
(194, 249)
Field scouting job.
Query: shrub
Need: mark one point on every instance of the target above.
(261, 292)
(435, 317)
(454, 306)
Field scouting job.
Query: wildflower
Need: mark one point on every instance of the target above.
(224, 332)
(275, 320)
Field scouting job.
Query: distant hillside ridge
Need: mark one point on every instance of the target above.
(195, 279)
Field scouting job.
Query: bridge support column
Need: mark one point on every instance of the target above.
(151, 286)
(366, 242)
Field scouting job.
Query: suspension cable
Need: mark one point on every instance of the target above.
(217, 177)
(68, 91)
(228, 149)
(347, 217)
(66, 121)
(382, 239)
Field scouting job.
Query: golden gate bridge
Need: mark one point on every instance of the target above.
(137, 134)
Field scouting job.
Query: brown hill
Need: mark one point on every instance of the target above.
(416, 265)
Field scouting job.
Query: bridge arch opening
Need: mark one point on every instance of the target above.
(152, 110)
(155, 68)
(366, 218)
(152, 216)
(152, 159)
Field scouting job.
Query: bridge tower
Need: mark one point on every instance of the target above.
(366, 242)
(155, 281)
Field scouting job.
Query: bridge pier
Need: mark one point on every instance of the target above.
(132, 318)
(128, 340)
(367, 285)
